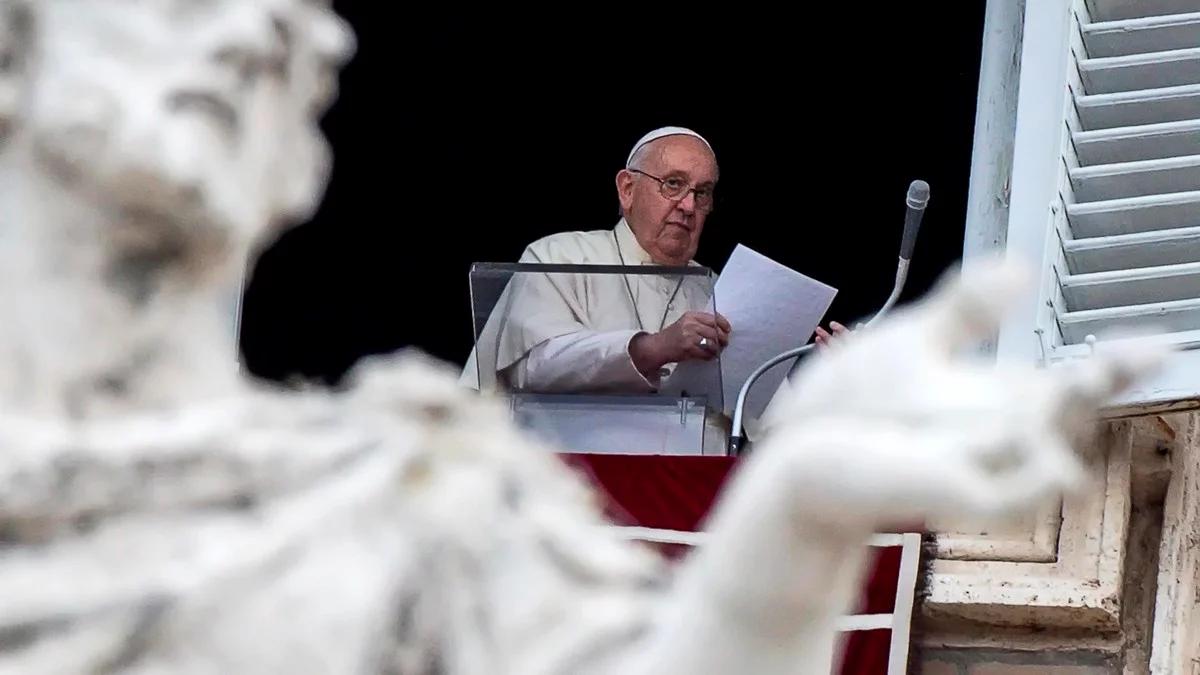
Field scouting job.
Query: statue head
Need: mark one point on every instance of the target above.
(190, 124)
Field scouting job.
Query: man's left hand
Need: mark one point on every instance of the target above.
(825, 337)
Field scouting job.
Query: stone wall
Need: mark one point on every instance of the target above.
(1099, 582)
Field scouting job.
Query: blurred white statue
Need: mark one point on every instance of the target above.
(159, 515)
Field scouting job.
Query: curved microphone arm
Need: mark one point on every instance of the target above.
(918, 197)
(901, 277)
(735, 436)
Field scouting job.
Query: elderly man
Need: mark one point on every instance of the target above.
(579, 332)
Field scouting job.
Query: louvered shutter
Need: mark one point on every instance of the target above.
(1106, 183)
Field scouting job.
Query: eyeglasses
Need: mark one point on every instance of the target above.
(676, 189)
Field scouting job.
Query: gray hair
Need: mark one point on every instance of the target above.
(639, 158)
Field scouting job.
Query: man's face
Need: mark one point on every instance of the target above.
(669, 229)
(196, 119)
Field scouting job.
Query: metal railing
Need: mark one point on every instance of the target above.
(898, 621)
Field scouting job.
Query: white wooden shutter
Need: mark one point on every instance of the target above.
(1106, 184)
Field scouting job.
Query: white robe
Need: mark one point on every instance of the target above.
(571, 332)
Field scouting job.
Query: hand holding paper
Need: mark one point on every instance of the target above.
(771, 309)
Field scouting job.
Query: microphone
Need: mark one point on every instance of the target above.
(918, 199)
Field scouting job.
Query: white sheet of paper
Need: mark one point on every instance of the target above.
(772, 309)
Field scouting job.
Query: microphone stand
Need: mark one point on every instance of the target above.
(736, 440)
(901, 277)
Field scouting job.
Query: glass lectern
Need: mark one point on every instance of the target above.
(555, 340)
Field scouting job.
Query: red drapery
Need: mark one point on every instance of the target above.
(675, 493)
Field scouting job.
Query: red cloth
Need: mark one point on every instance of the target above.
(670, 493)
(866, 651)
(676, 493)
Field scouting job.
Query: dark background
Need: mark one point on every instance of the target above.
(460, 140)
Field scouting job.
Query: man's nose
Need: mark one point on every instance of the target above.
(688, 203)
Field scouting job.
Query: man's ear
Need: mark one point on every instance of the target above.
(625, 189)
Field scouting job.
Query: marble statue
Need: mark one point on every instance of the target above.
(160, 514)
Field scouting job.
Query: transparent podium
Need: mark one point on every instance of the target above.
(555, 341)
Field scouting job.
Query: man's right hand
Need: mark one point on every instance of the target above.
(681, 341)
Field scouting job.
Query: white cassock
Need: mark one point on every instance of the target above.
(570, 333)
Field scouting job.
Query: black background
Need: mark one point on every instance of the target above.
(463, 139)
